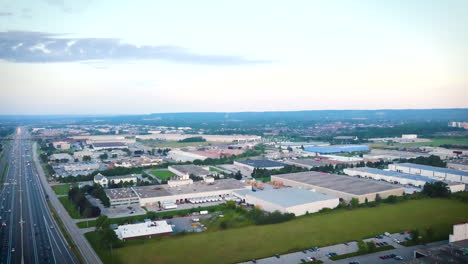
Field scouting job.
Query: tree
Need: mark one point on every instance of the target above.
(391, 199)
(109, 238)
(436, 189)
(104, 156)
(86, 158)
(378, 199)
(354, 203)
(238, 175)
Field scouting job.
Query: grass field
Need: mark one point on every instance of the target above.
(62, 189)
(162, 174)
(72, 211)
(241, 244)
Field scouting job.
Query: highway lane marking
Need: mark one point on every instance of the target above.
(50, 241)
(33, 231)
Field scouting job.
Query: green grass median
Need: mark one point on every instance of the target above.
(70, 207)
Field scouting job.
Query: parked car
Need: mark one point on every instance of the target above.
(398, 257)
(277, 255)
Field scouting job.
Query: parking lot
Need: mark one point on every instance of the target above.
(117, 211)
(187, 224)
(185, 206)
(321, 254)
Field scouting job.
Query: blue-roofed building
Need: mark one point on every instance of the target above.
(338, 149)
(399, 178)
(441, 174)
(288, 200)
(260, 164)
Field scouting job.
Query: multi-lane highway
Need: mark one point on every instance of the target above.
(28, 232)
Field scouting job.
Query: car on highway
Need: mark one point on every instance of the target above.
(12, 249)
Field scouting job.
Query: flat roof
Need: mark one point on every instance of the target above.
(287, 197)
(263, 163)
(143, 229)
(308, 162)
(196, 187)
(459, 161)
(191, 169)
(345, 184)
(394, 174)
(338, 148)
(431, 168)
(120, 193)
(109, 144)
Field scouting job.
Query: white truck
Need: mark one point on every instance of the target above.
(203, 212)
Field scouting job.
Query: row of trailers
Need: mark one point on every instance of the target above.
(207, 199)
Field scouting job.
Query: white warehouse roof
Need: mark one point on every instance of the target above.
(143, 229)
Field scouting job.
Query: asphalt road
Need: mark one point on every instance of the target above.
(28, 232)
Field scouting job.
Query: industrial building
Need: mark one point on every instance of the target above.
(104, 181)
(344, 187)
(61, 145)
(441, 174)
(306, 163)
(184, 156)
(389, 155)
(148, 229)
(400, 178)
(260, 164)
(108, 145)
(337, 149)
(459, 164)
(155, 195)
(288, 200)
(184, 171)
(122, 196)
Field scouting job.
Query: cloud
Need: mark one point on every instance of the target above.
(24, 46)
(6, 14)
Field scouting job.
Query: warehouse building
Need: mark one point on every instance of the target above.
(441, 174)
(460, 164)
(148, 229)
(122, 196)
(398, 177)
(344, 187)
(260, 164)
(108, 145)
(155, 195)
(184, 171)
(289, 200)
(337, 149)
(158, 194)
(306, 163)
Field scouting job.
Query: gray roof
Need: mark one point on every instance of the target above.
(308, 162)
(459, 161)
(196, 187)
(431, 168)
(264, 163)
(287, 197)
(120, 193)
(395, 174)
(346, 184)
(109, 144)
(98, 177)
(191, 169)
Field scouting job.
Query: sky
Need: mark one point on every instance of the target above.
(141, 57)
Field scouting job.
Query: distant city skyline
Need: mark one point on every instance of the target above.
(121, 57)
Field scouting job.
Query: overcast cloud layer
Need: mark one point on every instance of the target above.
(24, 46)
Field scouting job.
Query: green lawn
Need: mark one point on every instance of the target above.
(62, 189)
(241, 244)
(163, 174)
(70, 207)
(214, 169)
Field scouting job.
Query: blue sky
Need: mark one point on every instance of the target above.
(113, 57)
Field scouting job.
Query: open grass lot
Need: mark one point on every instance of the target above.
(241, 244)
(72, 211)
(162, 174)
(62, 189)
